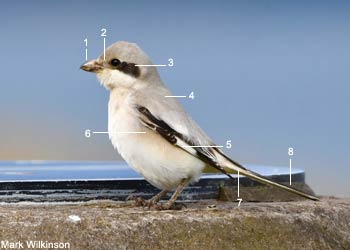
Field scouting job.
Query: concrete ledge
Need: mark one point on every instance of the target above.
(113, 225)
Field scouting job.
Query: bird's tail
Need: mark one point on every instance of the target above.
(235, 166)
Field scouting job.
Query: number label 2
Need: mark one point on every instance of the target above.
(104, 31)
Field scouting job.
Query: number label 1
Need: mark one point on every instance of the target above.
(103, 32)
(290, 151)
(88, 133)
(85, 40)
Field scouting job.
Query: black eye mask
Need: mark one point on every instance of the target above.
(127, 68)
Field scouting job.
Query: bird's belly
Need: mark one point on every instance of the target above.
(159, 162)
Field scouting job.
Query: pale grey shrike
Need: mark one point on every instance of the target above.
(171, 150)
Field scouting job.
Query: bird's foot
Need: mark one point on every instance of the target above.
(151, 204)
(138, 201)
(141, 202)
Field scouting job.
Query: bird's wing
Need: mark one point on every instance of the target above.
(212, 156)
(205, 153)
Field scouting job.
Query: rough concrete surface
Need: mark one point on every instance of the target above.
(202, 225)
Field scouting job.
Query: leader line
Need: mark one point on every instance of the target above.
(238, 183)
(104, 49)
(290, 171)
(151, 65)
(120, 132)
(176, 96)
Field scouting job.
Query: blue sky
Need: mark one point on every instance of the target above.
(267, 75)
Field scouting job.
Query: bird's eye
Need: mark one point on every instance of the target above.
(115, 62)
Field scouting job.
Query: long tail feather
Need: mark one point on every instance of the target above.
(235, 166)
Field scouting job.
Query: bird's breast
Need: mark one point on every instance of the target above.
(123, 124)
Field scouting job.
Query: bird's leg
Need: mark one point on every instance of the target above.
(173, 198)
(158, 196)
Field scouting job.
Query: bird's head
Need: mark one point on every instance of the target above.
(117, 67)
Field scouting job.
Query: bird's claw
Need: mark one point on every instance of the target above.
(141, 202)
(138, 201)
